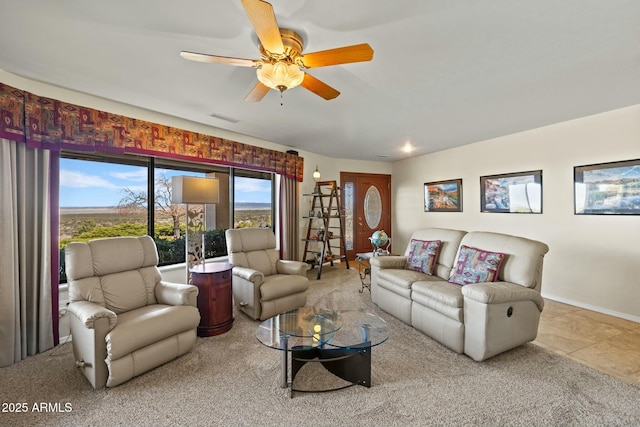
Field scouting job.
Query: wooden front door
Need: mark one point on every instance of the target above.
(366, 200)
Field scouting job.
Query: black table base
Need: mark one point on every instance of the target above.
(352, 364)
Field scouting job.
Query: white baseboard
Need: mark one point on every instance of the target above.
(593, 308)
(65, 339)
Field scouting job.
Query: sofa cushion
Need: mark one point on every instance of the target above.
(523, 264)
(401, 278)
(423, 255)
(476, 266)
(439, 291)
(440, 296)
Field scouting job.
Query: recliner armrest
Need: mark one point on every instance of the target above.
(253, 276)
(88, 312)
(291, 267)
(389, 261)
(501, 292)
(176, 294)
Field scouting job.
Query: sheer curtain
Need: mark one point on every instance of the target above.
(288, 210)
(26, 326)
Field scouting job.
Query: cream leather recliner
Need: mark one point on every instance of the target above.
(264, 285)
(124, 319)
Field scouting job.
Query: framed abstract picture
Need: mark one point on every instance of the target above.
(607, 188)
(443, 196)
(512, 193)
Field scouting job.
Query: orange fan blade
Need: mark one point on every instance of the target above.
(263, 19)
(340, 55)
(215, 59)
(319, 88)
(257, 93)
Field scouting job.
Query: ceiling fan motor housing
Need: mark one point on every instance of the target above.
(293, 46)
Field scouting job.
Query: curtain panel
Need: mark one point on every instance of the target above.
(288, 217)
(26, 323)
(51, 124)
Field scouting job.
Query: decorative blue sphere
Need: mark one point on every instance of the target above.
(379, 238)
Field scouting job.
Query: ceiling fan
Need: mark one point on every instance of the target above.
(282, 61)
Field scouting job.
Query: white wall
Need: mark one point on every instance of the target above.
(330, 169)
(593, 261)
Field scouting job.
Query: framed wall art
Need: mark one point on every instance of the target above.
(607, 188)
(443, 196)
(512, 193)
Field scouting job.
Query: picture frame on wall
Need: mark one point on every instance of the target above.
(607, 188)
(443, 196)
(519, 192)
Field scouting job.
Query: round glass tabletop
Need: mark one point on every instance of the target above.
(309, 327)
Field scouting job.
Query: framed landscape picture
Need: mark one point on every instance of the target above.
(443, 196)
(512, 193)
(607, 188)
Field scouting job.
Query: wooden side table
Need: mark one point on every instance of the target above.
(215, 298)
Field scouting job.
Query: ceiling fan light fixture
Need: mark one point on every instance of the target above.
(280, 75)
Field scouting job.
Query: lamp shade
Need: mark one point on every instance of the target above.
(194, 190)
(281, 75)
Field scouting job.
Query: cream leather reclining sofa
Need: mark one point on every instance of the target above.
(479, 320)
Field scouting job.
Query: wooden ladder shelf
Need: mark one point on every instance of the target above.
(325, 242)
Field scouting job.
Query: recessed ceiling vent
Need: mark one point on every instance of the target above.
(225, 118)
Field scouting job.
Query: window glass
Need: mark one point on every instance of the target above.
(348, 215)
(170, 219)
(253, 200)
(99, 199)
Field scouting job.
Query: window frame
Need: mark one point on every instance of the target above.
(153, 163)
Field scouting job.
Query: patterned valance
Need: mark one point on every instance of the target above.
(51, 124)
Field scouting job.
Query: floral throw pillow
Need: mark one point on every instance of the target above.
(476, 266)
(423, 255)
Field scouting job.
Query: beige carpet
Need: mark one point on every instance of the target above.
(232, 380)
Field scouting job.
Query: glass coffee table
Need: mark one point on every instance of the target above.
(339, 340)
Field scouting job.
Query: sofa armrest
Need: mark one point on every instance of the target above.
(249, 274)
(501, 292)
(88, 312)
(389, 261)
(291, 267)
(176, 294)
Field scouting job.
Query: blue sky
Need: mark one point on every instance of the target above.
(93, 184)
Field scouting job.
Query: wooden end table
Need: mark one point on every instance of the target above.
(215, 298)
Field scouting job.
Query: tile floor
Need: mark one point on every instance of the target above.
(606, 343)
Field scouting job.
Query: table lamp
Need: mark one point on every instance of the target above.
(191, 190)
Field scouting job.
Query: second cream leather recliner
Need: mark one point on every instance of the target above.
(263, 284)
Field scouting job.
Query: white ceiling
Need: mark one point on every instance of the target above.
(445, 72)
